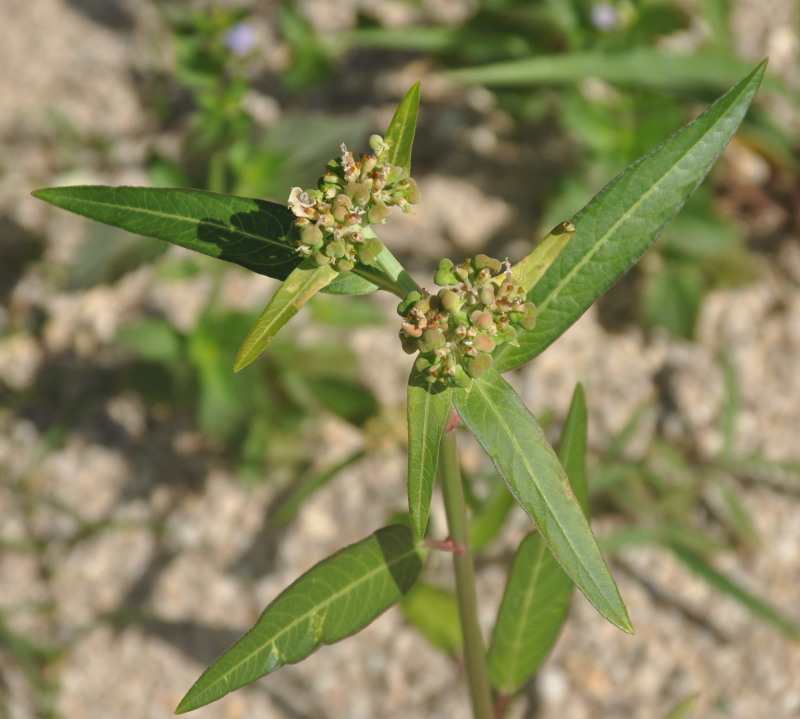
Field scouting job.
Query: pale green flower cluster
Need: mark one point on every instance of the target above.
(456, 330)
(352, 195)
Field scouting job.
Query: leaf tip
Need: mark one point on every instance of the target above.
(624, 623)
(241, 363)
(184, 705)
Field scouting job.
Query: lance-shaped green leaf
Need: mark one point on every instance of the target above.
(512, 438)
(536, 600)
(248, 232)
(642, 66)
(532, 613)
(402, 128)
(298, 288)
(573, 445)
(335, 599)
(625, 218)
(529, 270)
(428, 412)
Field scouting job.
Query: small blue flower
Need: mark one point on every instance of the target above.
(241, 38)
(605, 16)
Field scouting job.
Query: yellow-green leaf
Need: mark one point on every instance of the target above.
(298, 288)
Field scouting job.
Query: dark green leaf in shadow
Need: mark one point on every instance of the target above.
(335, 599)
(300, 286)
(757, 606)
(625, 218)
(536, 600)
(251, 233)
(248, 232)
(512, 438)
(402, 128)
(428, 412)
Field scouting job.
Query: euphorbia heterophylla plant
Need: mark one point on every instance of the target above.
(487, 316)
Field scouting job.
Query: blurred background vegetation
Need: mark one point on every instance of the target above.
(540, 103)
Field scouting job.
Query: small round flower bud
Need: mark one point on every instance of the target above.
(358, 192)
(377, 213)
(444, 273)
(487, 294)
(335, 248)
(321, 258)
(485, 262)
(483, 343)
(450, 300)
(311, 235)
(476, 366)
(369, 251)
(433, 338)
(482, 320)
(405, 304)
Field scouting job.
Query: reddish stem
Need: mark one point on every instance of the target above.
(445, 545)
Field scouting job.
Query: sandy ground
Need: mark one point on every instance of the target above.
(130, 554)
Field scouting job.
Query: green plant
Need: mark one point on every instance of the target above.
(487, 318)
(603, 76)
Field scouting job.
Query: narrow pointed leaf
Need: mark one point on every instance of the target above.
(335, 599)
(532, 613)
(625, 218)
(573, 445)
(251, 233)
(402, 129)
(428, 412)
(528, 271)
(641, 66)
(719, 581)
(512, 438)
(298, 288)
(536, 600)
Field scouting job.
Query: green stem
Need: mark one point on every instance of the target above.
(456, 511)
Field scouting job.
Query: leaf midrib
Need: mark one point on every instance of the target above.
(425, 424)
(514, 661)
(219, 224)
(543, 304)
(363, 578)
(510, 434)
